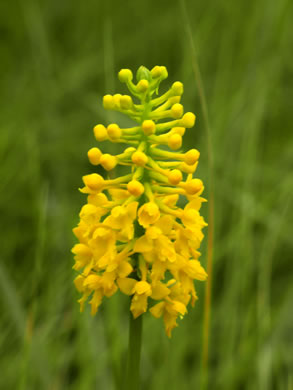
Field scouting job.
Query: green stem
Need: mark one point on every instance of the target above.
(134, 349)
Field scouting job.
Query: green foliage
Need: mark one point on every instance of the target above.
(57, 61)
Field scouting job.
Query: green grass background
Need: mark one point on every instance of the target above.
(58, 58)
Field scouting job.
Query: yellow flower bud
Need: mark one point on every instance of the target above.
(175, 176)
(94, 181)
(108, 162)
(114, 131)
(156, 72)
(100, 133)
(131, 149)
(175, 141)
(135, 188)
(94, 155)
(191, 156)
(188, 120)
(164, 72)
(148, 127)
(142, 86)
(177, 88)
(108, 102)
(177, 110)
(193, 186)
(139, 158)
(126, 102)
(124, 75)
(116, 99)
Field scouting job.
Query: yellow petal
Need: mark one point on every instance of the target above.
(102, 233)
(86, 190)
(92, 281)
(194, 204)
(178, 307)
(158, 271)
(159, 291)
(82, 301)
(153, 232)
(165, 224)
(158, 309)
(86, 210)
(88, 268)
(142, 244)
(111, 267)
(96, 301)
(143, 287)
(142, 267)
(139, 304)
(195, 270)
(118, 212)
(126, 285)
(132, 209)
(79, 283)
(81, 250)
(171, 200)
(118, 194)
(170, 323)
(124, 269)
(79, 233)
(97, 199)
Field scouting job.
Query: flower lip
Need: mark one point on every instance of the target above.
(148, 214)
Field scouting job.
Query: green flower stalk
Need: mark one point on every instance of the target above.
(133, 234)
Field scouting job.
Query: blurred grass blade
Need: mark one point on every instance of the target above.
(10, 297)
(265, 345)
(204, 108)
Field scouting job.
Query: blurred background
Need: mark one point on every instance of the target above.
(58, 58)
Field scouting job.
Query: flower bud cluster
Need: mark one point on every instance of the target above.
(133, 233)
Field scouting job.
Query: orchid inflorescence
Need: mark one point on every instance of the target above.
(133, 233)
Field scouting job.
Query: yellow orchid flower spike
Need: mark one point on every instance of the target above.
(133, 234)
